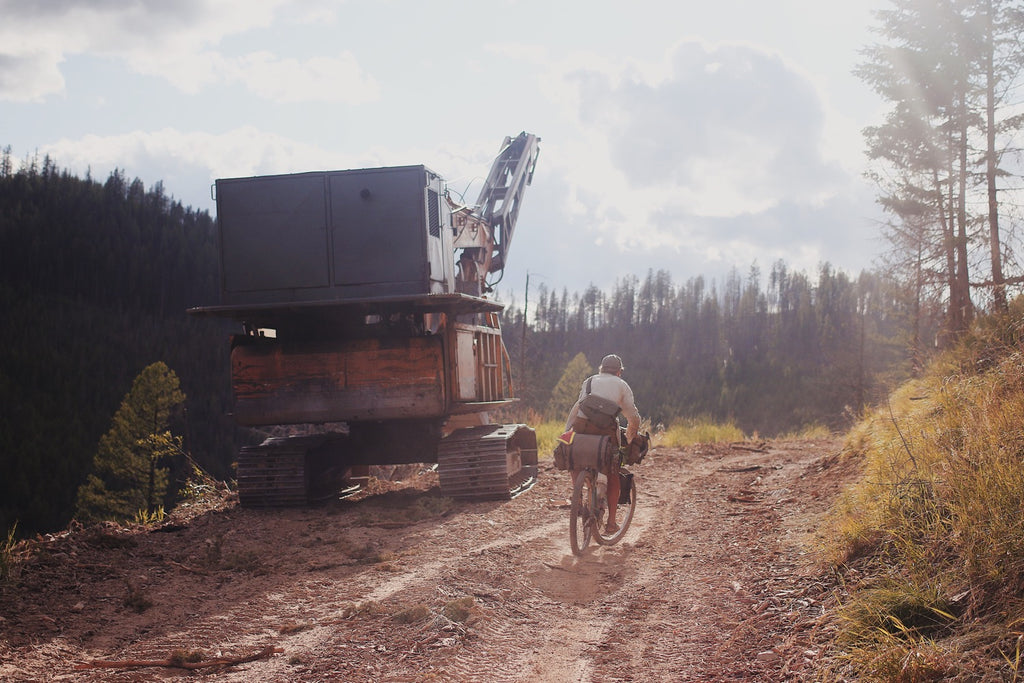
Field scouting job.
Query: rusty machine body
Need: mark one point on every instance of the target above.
(360, 295)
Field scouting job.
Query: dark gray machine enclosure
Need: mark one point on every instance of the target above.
(334, 236)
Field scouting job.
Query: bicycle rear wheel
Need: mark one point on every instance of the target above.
(624, 514)
(581, 511)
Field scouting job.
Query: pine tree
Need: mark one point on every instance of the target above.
(920, 148)
(567, 390)
(951, 69)
(129, 470)
(1000, 61)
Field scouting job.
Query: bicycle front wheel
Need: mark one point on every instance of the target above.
(581, 511)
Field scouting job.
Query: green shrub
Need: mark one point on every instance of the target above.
(547, 435)
(136, 600)
(411, 615)
(459, 610)
(146, 518)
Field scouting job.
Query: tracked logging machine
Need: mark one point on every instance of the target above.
(361, 298)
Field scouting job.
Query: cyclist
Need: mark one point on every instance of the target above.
(609, 385)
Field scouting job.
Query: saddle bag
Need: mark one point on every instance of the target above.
(577, 451)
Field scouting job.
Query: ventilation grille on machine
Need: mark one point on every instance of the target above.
(434, 211)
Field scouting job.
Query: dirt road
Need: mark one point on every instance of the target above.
(711, 583)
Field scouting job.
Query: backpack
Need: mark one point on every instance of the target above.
(598, 411)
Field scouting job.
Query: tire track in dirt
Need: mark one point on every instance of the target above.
(715, 557)
(587, 588)
(675, 613)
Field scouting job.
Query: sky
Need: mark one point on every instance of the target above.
(697, 138)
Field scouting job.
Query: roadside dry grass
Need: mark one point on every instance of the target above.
(931, 541)
(7, 559)
(680, 434)
(699, 430)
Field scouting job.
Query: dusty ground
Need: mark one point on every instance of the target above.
(711, 583)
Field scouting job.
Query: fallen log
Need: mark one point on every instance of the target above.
(759, 448)
(178, 661)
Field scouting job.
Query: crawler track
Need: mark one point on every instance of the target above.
(491, 462)
(287, 471)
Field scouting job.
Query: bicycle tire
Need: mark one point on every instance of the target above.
(581, 515)
(625, 513)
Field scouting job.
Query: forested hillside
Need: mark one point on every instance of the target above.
(801, 351)
(95, 279)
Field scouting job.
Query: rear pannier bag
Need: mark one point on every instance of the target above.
(576, 451)
(625, 486)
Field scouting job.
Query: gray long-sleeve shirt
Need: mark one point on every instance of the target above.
(614, 388)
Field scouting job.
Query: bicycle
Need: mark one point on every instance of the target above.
(589, 506)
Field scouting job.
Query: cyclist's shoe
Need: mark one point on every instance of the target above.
(611, 529)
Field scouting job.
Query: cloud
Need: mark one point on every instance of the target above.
(175, 41)
(731, 129)
(38, 36)
(325, 79)
(30, 75)
(713, 158)
(714, 155)
(188, 162)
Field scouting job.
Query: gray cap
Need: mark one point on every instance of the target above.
(611, 363)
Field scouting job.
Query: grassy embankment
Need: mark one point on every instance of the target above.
(930, 543)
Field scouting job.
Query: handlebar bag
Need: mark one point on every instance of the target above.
(635, 452)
